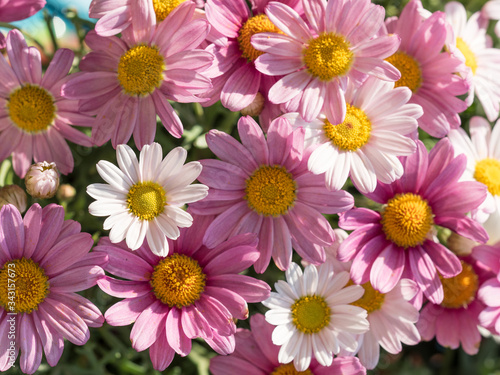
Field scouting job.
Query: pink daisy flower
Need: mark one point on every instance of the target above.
(317, 57)
(44, 261)
(126, 83)
(489, 291)
(115, 16)
(471, 43)
(427, 70)
(366, 145)
(238, 83)
(34, 118)
(255, 353)
(263, 186)
(399, 238)
(194, 292)
(455, 320)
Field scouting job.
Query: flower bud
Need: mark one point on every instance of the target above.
(254, 108)
(461, 246)
(13, 194)
(66, 192)
(42, 180)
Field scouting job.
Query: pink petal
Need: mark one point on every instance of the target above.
(11, 231)
(169, 118)
(387, 269)
(425, 274)
(176, 337)
(126, 311)
(64, 320)
(30, 345)
(52, 341)
(247, 287)
(230, 150)
(253, 139)
(123, 288)
(241, 88)
(66, 252)
(288, 20)
(289, 87)
(194, 323)
(148, 326)
(161, 353)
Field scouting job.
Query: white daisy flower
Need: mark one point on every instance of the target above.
(144, 198)
(366, 146)
(473, 46)
(392, 321)
(482, 150)
(313, 317)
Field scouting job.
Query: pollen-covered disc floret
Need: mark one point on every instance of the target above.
(328, 56)
(28, 283)
(351, 134)
(164, 7)
(178, 280)
(271, 190)
(460, 290)
(31, 108)
(411, 74)
(310, 314)
(259, 23)
(372, 299)
(289, 369)
(487, 171)
(470, 57)
(312, 311)
(407, 220)
(146, 200)
(140, 70)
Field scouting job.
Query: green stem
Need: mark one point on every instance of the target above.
(50, 26)
(29, 36)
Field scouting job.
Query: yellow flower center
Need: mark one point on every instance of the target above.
(256, 24)
(460, 290)
(310, 314)
(411, 74)
(372, 299)
(178, 280)
(289, 369)
(140, 70)
(270, 190)
(407, 219)
(146, 200)
(470, 58)
(23, 286)
(328, 56)
(353, 133)
(164, 7)
(488, 172)
(31, 108)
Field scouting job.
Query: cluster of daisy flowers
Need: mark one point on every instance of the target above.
(349, 119)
